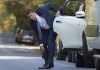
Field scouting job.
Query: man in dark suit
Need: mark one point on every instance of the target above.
(41, 21)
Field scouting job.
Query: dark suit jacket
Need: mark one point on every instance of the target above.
(44, 12)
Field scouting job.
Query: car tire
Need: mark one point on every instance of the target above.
(87, 56)
(98, 64)
(73, 56)
(60, 53)
(16, 40)
(19, 41)
(79, 60)
(69, 56)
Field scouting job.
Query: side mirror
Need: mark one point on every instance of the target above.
(80, 14)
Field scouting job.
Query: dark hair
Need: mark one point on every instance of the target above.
(29, 11)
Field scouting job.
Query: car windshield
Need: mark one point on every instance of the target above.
(27, 33)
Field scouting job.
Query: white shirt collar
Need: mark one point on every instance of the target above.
(37, 16)
(42, 22)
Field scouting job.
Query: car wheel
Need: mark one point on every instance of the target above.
(98, 64)
(79, 60)
(87, 57)
(60, 53)
(16, 40)
(19, 40)
(69, 56)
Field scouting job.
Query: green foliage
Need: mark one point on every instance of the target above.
(18, 9)
(57, 3)
(72, 7)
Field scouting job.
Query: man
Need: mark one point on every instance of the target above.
(42, 22)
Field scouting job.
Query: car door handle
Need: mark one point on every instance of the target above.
(58, 21)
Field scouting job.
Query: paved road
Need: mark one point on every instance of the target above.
(94, 43)
(24, 58)
(21, 57)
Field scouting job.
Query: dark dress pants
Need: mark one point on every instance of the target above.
(49, 44)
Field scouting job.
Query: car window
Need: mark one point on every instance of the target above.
(73, 6)
(30, 33)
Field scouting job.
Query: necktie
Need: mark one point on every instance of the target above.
(39, 31)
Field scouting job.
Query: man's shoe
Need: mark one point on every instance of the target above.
(48, 66)
(42, 66)
(51, 65)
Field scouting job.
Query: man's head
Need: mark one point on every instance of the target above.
(31, 14)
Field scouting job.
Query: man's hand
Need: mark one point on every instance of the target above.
(58, 13)
(42, 48)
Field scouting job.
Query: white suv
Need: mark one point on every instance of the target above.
(72, 37)
(70, 29)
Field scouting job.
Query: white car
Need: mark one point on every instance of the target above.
(70, 29)
(71, 37)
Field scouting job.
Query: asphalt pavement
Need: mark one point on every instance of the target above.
(94, 42)
(23, 57)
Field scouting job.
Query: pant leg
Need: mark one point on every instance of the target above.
(45, 55)
(51, 46)
(45, 43)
